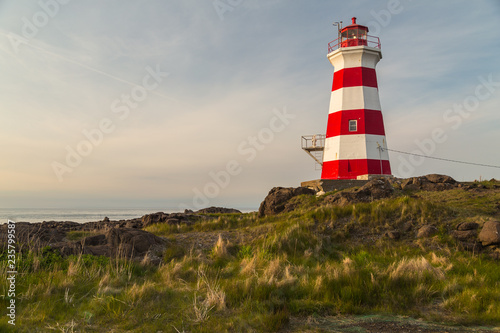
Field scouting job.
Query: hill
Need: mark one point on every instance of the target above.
(391, 256)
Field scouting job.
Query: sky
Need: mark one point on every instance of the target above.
(189, 104)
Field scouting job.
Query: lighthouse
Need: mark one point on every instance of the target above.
(355, 146)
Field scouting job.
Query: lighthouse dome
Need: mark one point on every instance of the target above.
(354, 35)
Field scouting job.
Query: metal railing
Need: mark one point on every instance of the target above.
(314, 146)
(366, 40)
(313, 142)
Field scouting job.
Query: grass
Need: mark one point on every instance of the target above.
(316, 261)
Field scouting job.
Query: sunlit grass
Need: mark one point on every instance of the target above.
(314, 261)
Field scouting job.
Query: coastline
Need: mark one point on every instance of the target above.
(82, 215)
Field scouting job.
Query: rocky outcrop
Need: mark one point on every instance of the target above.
(490, 234)
(276, 200)
(172, 219)
(132, 242)
(432, 182)
(373, 190)
(34, 235)
(149, 219)
(121, 242)
(218, 210)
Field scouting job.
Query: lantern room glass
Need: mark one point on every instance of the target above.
(354, 37)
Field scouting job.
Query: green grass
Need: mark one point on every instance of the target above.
(315, 261)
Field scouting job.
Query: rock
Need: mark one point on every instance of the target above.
(426, 231)
(375, 189)
(173, 221)
(133, 224)
(411, 187)
(275, 201)
(106, 219)
(123, 242)
(188, 211)
(94, 240)
(218, 210)
(435, 178)
(394, 234)
(467, 226)
(149, 219)
(131, 242)
(432, 182)
(342, 198)
(464, 235)
(490, 234)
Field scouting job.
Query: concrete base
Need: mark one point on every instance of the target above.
(370, 177)
(328, 185)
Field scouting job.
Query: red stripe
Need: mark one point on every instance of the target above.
(369, 122)
(351, 169)
(354, 77)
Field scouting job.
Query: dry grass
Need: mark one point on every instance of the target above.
(220, 248)
(414, 269)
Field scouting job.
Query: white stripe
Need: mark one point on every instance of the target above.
(354, 98)
(356, 56)
(355, 147)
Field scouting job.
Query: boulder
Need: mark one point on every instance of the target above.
(275, 201)
(467, 226)
(426, 231)
(131, 242)
(464, 235)
(490, 234)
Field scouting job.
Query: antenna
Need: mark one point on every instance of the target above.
(339, 25)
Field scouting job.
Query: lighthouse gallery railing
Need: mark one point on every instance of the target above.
(361, 40)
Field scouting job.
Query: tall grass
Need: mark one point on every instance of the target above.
(317, 260)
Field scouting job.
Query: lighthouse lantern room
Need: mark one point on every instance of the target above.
(355, 146)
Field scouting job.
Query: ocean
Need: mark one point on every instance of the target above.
(74, 215)
(80, 215)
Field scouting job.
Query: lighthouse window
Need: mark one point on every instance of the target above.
(353, 125)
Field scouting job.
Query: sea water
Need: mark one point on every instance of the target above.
(81, 215)
(74, 215)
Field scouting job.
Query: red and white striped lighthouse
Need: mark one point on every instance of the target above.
(355, 144)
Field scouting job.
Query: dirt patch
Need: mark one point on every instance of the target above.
(206, 240)
(376, 324)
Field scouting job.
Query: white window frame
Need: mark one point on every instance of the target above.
(353, 123)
